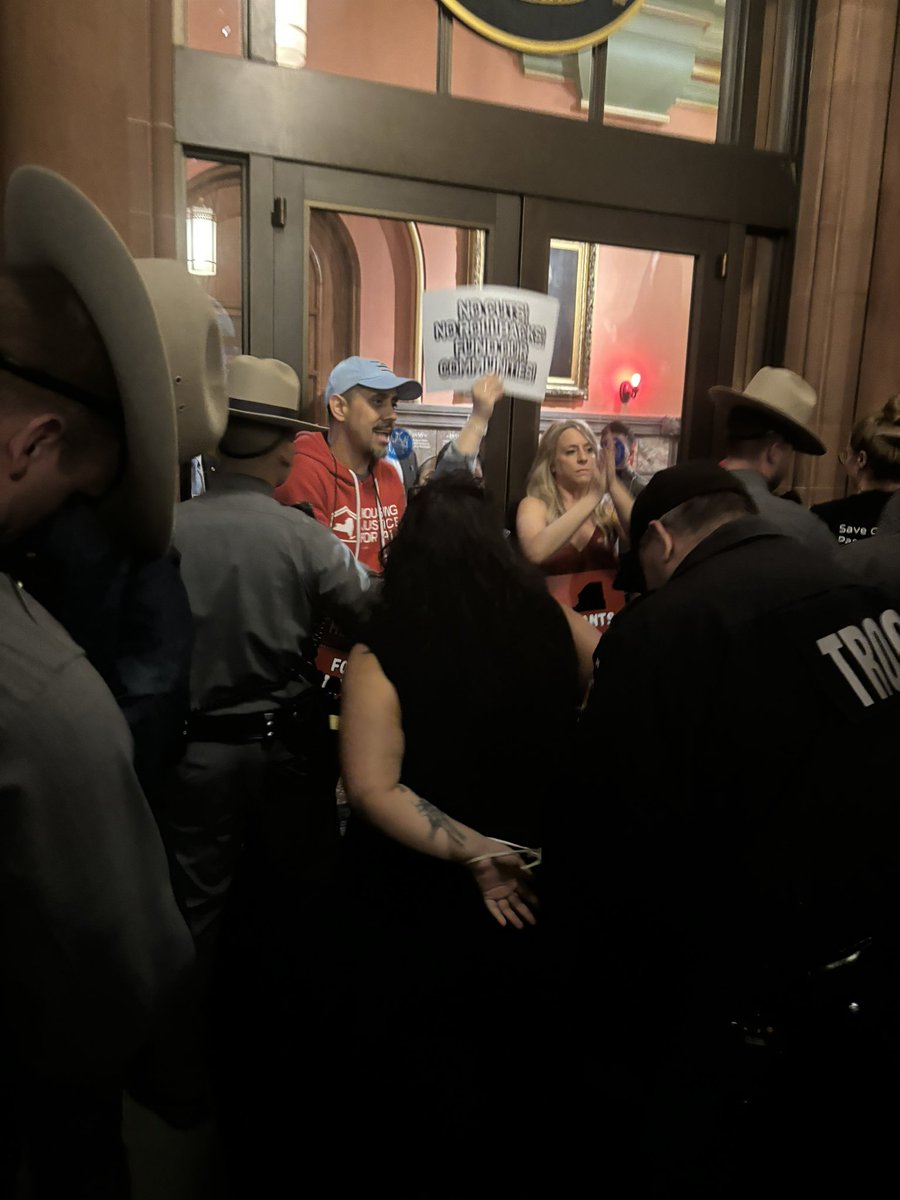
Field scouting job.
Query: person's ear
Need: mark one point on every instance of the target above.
(777, 459)
(664, 539)
(338, 406)
(32, 443)
(862, 459)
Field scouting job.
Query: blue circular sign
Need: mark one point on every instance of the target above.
(401, 443)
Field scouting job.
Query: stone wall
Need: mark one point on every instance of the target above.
(86, 88)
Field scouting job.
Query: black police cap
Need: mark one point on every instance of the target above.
(665, 491)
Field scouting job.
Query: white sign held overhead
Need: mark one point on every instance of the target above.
(468, 332)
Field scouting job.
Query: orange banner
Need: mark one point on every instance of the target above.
(590, 593)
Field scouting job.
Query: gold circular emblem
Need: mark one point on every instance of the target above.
(571, 25)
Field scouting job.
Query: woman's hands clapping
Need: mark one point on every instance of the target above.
(599, 484)
(608, 460)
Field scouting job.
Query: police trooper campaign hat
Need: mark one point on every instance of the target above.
(192, 336)
(665, 491)
(160, 333)
(370, 373)
(779, 396)
(265, 391)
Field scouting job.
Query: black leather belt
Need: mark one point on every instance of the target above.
(236, 729)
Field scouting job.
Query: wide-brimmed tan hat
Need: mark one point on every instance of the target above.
(159, 330)
(267, 391)
(192, 335)
(783, 397)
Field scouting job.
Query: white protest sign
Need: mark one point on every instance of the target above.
(468, 332)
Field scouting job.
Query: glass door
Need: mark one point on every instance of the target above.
(353, 255)
(646, 300)
(642, 332)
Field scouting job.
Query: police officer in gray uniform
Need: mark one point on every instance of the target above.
(766, 424)
(260, 577)
(92, 946)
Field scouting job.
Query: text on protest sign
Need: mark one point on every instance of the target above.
(471, 332)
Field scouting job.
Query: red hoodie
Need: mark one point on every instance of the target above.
(362, 513)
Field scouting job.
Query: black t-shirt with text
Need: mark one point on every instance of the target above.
(853, 518)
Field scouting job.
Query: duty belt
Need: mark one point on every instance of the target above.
(235, 729)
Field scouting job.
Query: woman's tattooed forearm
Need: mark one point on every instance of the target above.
(436, 819)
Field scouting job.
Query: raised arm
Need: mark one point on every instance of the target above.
(372, 745)
(485, 394)
(623, 501)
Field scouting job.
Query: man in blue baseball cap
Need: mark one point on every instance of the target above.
(344, 473)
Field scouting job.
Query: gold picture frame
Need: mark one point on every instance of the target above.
(571, 278)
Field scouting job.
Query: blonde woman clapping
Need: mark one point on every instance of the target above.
(576, 509)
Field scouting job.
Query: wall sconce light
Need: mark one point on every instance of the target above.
(290, 33)
(201, 240)
(629, 388)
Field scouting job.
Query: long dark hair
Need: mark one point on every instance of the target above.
(480, 654)
(454, 585)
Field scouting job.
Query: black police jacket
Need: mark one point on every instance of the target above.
(736, 759)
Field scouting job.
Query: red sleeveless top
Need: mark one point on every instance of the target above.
(597, 555)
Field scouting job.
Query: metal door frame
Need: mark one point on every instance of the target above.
(300, 187)
(717, 248)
